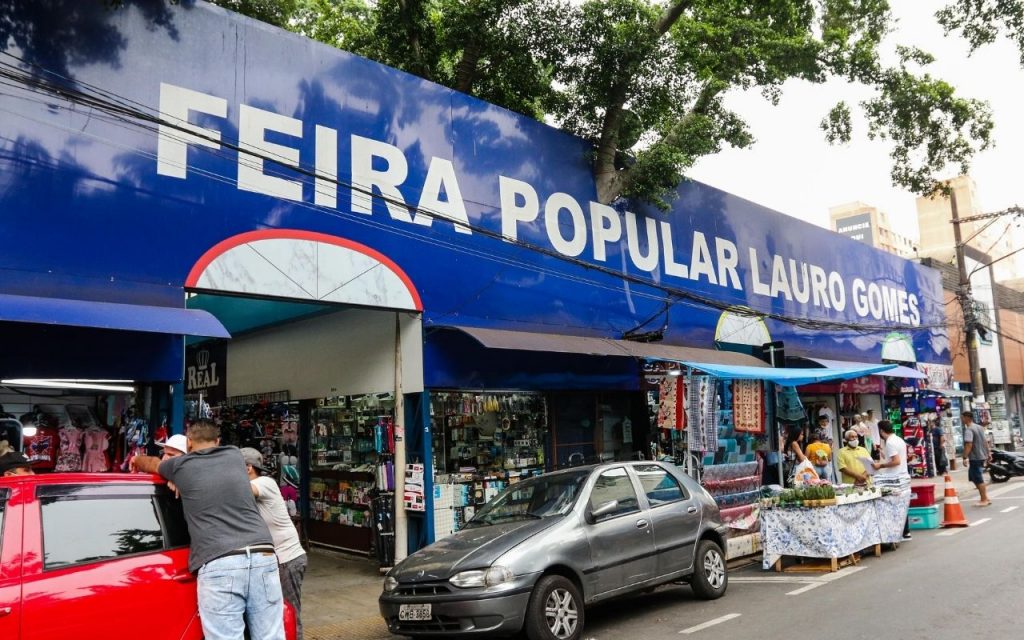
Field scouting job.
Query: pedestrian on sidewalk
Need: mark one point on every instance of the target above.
(291, 557)
(938, 435)
(232, 551)
(976, 456)
(892, 470)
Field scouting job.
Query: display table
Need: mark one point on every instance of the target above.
(834, 531)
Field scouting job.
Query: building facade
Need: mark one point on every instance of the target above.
(998, 238)
(870, 225)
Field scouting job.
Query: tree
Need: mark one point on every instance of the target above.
(980, 22)
(646, 80)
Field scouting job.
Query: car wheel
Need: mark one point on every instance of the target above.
(555, 611)
(710, 576)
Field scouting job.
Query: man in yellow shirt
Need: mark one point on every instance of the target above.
(850, 464)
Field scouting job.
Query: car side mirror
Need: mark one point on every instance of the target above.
(605, 509)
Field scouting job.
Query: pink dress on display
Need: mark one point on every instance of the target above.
(70, 457)
(96, 442)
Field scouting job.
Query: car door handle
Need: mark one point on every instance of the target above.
(691, 509)
(641, 524)
(5, 611)
(184, 578)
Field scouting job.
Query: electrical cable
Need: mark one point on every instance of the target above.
(120, 110)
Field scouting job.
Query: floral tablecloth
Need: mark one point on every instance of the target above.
(832, 532)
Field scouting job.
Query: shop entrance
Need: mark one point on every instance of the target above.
(318, 325)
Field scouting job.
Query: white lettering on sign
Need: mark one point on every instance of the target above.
(380, 173)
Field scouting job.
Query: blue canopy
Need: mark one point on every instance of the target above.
(785, 376)
(110, 315)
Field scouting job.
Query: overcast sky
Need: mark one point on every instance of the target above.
(792, 169)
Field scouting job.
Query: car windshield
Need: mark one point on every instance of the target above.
(540, 497)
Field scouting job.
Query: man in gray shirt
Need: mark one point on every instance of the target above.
(976, 454)
(232, 549)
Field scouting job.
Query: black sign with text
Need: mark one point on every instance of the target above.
(206, 368)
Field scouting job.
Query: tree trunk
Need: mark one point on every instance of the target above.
(606, 176)
(465, 73)
(411, 10)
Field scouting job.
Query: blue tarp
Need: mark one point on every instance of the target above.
(787, 377)
(898, 371)
(110, 315)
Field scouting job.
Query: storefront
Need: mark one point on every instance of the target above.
(397, 265)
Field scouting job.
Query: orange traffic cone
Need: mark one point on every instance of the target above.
(953, 513)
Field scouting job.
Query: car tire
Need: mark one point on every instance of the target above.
(555, 611)
(710, 575)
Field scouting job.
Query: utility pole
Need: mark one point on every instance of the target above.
(967, 305)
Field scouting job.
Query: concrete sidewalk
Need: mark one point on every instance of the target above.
(339, 598)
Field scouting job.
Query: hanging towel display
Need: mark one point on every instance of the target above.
(694, 415)
(748, 406)
(790, 409)
(671, 403)
(712, 403)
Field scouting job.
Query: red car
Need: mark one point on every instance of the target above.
(92, 556)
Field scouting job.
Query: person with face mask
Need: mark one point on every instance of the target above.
(850, 465)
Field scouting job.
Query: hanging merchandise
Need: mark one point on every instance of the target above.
(714, 405)
(788, 405)
(671, 403)
(695, 414)
(97, 440)
(748, 404)
(134, 433)
(70, 457)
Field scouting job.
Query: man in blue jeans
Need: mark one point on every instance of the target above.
(232, 550)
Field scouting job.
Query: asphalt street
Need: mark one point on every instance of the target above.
(945, 583)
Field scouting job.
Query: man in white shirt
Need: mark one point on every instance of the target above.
(291, 557)
(892, 469)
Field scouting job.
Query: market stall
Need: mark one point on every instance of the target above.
(833, 528)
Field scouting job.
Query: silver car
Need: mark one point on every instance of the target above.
(533, 557)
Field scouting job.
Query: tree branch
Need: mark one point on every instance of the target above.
(671, 15)
(700, 107)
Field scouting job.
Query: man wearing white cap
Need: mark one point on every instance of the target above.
(291, 557)
(176, 445)
(861, 428)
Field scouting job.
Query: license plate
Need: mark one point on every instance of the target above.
(414, 612)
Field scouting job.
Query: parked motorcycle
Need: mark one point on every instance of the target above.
(1005, 465)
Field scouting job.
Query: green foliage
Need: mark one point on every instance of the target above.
(275, 12)
(981, 22)
(618, 71)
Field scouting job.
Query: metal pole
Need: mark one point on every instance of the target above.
(401, 524)
(967, 306)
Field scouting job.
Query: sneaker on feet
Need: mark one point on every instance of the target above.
(908, 537)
